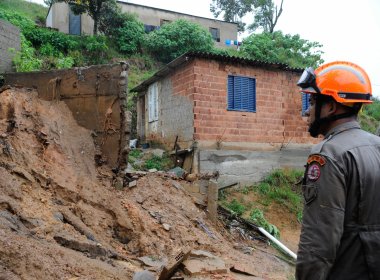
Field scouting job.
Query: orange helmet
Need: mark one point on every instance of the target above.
(346, 82)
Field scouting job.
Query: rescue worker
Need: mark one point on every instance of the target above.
(340, 236)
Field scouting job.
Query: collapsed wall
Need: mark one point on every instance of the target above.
(96, 96)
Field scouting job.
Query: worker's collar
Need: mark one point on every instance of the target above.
(342, 127)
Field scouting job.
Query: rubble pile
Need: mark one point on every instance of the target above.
(61, 218)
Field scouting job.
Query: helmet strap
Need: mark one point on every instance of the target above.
(315, 126)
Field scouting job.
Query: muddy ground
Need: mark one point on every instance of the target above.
(61, 218)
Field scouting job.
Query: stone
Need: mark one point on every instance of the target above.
(201, 254)
(176, 184)
(132, 184)
(148, 261)
(167, 227)
(153, 170)
(194, 266)
(178, 171)
(23, 173)
(191, 177)
(144, 275)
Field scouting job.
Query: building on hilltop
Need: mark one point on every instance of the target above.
(62, 18)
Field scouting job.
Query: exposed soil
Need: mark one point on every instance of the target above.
(60, 217)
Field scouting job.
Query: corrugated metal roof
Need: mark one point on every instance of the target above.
(171, 66)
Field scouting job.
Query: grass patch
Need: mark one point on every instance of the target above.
(159, 163)
(279, 186)
(236, 207)
(33, 11)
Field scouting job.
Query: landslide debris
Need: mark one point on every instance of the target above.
(60, 217)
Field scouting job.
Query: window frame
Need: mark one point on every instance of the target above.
(217, 37)
(153, 102)
(237, 96)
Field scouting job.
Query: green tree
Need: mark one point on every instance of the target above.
(266, 13)
(279, 48)
(123, 28)
(176, 38)
(233, 10)
(94, 8)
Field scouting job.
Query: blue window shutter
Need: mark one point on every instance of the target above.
(237, 93)
(230, 96)
(305, 103)
(241, 93)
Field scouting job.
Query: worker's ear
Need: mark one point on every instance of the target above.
(331, 108)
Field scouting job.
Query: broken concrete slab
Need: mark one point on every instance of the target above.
(92, 249)
(198, 266)
(176, 184)
(148, 261)
(240, 268)
(144, 275)
(171, 268)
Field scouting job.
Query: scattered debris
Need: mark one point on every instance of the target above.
(203, 262)
(178, 172)
(171, 268)
(239, 268)
(151, 262)
(144, 275)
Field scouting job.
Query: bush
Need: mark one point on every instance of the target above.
(236, 207)
(26, 60)
(16, 19)
(95, 49)
(130, 36)
(177, 38)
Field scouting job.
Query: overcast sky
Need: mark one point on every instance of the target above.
(347, 29)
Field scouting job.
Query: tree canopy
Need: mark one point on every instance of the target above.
(175, 38)
(266, 13)
(282, 48)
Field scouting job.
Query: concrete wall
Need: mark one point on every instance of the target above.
(150, 16)
(175, 111)
(247, 167)
(95, 95)
(9, 38)
(153, 16)
(58, 17)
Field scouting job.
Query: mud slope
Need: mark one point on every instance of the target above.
(60, 218)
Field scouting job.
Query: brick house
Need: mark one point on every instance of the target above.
(223, 103)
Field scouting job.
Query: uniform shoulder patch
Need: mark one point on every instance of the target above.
(316, 159)
(315, 162)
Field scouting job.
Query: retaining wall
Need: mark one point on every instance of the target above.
(9, 39)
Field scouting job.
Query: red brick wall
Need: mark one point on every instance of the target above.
(278, 104)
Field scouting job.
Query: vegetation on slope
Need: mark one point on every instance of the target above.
(279, 188)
